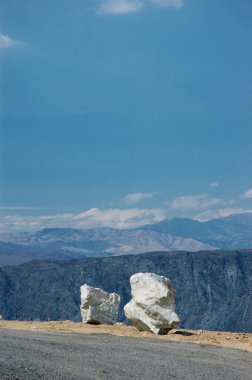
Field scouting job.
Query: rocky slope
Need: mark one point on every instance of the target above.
(213, 287)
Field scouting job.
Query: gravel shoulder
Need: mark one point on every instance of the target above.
(54, 355)
(241, 341)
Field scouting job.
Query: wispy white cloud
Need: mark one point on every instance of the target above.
(115, 7)
(220, 213)
(194, 202)
(6, 42)
(214, 184)
(169, 3)
(95, 217)
(196, 207)
(119, 218)
(134, 198)
(22, 208)
(205, 207)
(247, 194)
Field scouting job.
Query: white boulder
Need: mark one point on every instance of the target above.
(152, 307)
(97, 306)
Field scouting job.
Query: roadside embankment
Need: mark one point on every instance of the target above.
(241, 341)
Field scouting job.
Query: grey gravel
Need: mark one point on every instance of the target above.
(46, 355)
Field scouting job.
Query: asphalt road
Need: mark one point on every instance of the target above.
(45, 355)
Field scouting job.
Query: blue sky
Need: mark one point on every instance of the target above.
(124, 112)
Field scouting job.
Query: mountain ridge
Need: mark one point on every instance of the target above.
(232, 232)
(213, 287)
(73, 243)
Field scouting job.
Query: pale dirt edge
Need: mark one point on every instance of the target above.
(241, 341)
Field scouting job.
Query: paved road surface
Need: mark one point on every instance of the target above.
(39, 355)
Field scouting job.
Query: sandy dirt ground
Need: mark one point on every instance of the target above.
(241, 341)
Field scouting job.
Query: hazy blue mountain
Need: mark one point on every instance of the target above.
(67, 243)
(232, 232)
(213, 287)
(14, 254)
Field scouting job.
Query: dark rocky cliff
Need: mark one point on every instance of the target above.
(213, 287)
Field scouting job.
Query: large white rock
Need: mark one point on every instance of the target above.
(152, 307)
(97, 306)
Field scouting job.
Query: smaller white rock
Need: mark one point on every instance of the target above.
(152, 307)
(98, 306)
(1, 317)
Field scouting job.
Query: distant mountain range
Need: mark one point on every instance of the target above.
(67, 243)
(233, 232)
(177, 234)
